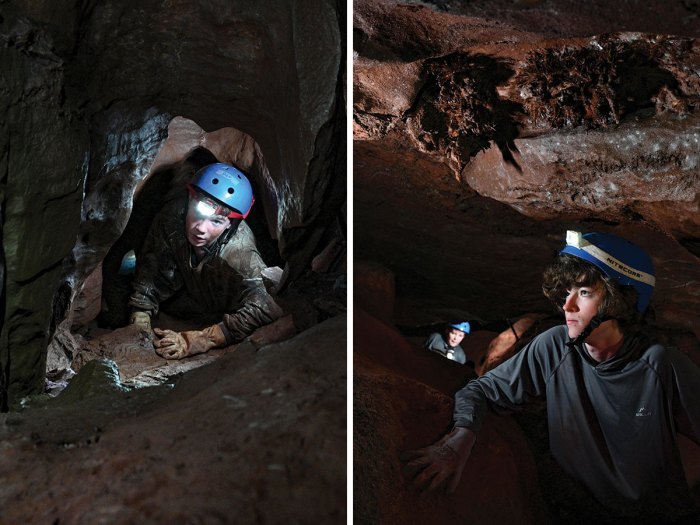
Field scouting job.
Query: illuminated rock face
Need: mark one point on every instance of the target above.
(88, 93)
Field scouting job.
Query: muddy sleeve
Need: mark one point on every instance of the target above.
(157, 277)
(506, 388)
(258, 307)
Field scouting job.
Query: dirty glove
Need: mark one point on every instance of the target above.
(441, 462)
(176, 345)
(142, 320)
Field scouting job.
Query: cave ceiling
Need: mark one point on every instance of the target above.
(484, 130)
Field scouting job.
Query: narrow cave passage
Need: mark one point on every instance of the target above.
(129, 416)
(98, 326)
(187, 149)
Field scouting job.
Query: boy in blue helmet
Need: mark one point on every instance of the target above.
(615, 401)
(449, 345)
(200, 262)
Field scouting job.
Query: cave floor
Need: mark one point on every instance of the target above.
(251, 433)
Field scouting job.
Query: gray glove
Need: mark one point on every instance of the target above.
(441, 463)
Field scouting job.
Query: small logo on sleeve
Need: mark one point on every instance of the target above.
(643, 412)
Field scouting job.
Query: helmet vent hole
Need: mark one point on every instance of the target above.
(230, 191)
(215, 181)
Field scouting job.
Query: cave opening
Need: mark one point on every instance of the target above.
(166, 181)
(97, 324)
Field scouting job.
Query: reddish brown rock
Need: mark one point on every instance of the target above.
(640, 171)
(394, 412)
(375, 289)
(483, 131)
(280, 330)
(259, 434)
(573, 129)
(503, 346)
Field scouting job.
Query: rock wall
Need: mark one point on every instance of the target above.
(403, 401)
(88, 91)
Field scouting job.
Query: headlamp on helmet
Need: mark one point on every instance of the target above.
(227, 186)
(206, 206)
(619, 259)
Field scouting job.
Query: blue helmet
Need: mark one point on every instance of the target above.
(617, 258)
(464, 326)
(227, 185)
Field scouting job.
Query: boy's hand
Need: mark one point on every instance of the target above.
(442, 462)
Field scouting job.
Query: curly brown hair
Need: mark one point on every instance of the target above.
(567, 271)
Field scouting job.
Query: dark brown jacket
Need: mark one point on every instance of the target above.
(225, 286)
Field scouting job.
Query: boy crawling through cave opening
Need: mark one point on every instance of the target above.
(200, 262)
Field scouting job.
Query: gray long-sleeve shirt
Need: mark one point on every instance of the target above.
(612, 425)
(225, 285)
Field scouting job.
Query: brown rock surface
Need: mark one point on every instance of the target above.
(375, 289)
(507, 343)
(254, 436)
(643, 170)
(455, 109)
(395, 411)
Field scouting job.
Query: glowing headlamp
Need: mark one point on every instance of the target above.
(206, 208)
(574, 239)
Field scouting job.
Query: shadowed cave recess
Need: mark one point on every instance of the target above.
(106, 109)
(482, 132)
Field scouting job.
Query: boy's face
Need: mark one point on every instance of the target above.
(581, 305)
(454, 336)
(203, 229)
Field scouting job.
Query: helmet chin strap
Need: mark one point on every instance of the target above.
(223, 238)
(595, 323)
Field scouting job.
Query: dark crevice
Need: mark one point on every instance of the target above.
(458, 111)
(692, 244)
